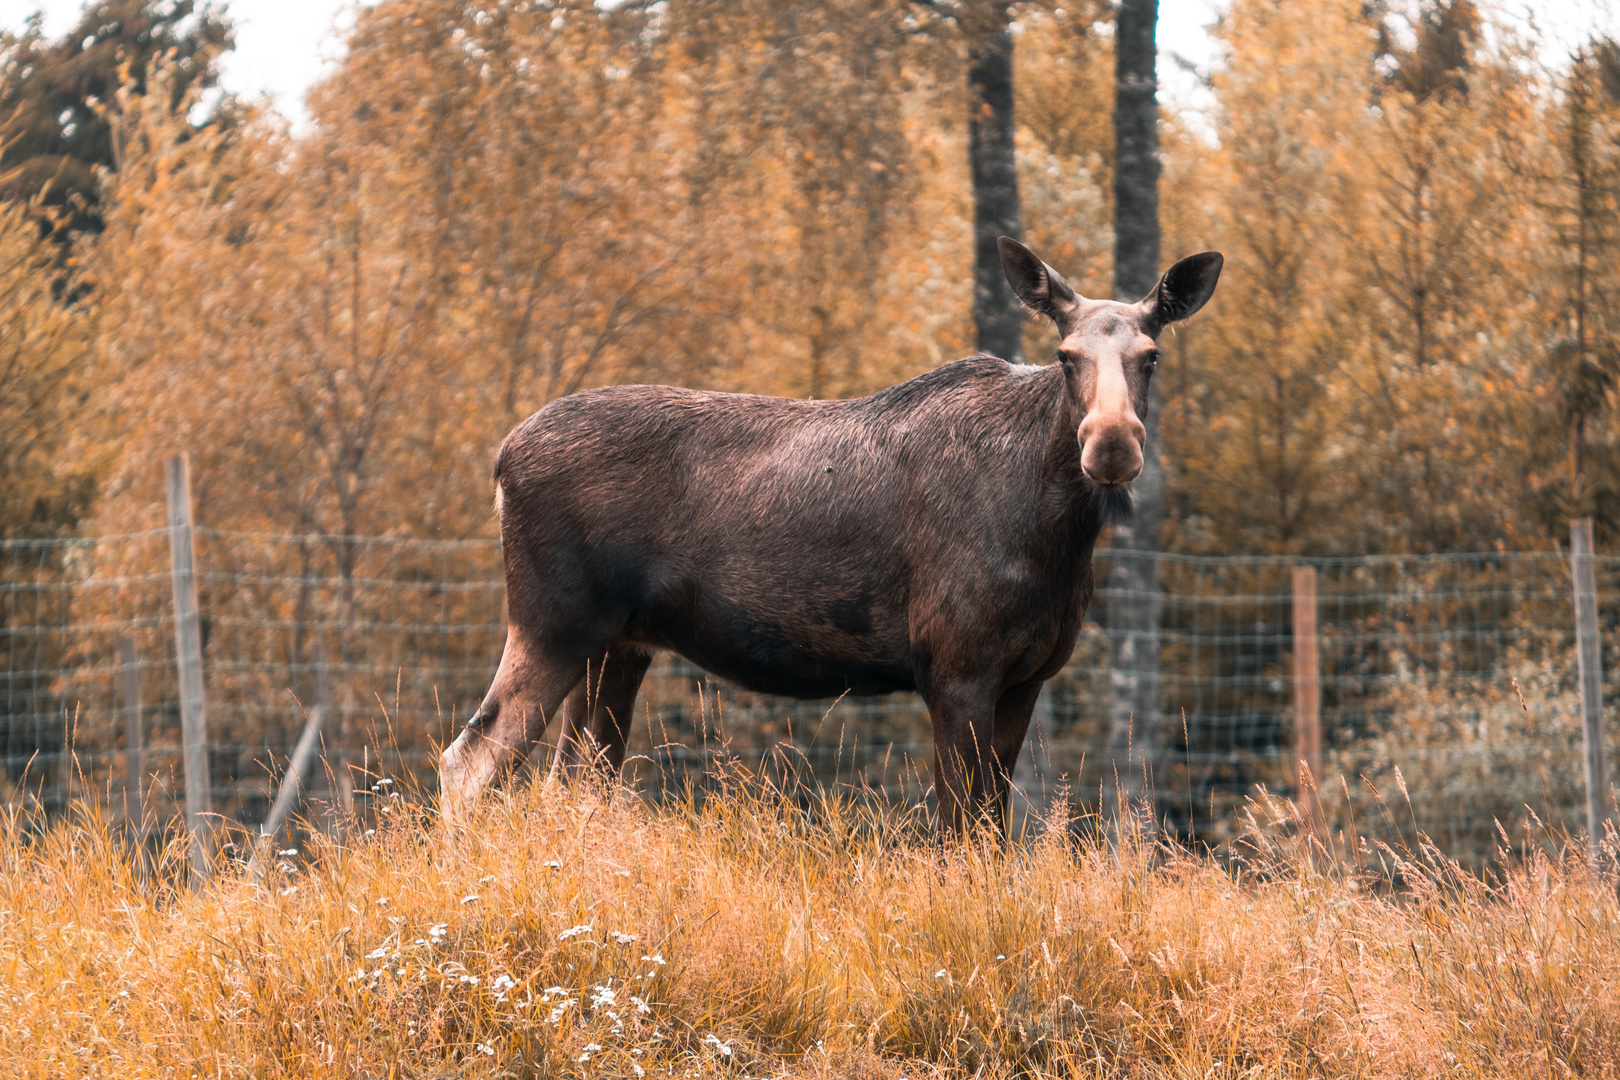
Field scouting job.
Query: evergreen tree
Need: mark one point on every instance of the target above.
(1578, 174)
(1256, 437)
(58, 98)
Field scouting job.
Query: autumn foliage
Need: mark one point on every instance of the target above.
(496, 204)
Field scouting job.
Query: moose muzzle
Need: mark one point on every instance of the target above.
(1111, 447)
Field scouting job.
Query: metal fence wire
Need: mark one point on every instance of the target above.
(1449, 690)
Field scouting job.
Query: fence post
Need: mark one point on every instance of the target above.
(134, 800)
(1589, 655)
(1307, 697)
(188, 651)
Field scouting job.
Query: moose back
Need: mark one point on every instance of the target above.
(935, 537)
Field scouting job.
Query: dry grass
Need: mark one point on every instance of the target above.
(587, 935)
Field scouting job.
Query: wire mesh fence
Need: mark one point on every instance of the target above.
(1449, 692)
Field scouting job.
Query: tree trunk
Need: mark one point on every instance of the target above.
(997, 316)
(1134, 602)
(1579, 158)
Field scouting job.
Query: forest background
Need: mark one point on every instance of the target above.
(1414, 346)
(1413, 349)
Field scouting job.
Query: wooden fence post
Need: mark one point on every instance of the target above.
(134, 797)
(1307, 697)
(1589, 656)
(188, 652)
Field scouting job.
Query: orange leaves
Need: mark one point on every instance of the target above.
(496, 205)
(43, 379)
(1385, 308)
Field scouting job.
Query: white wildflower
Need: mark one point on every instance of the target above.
(469, 898)
(641, 1006)
(622, 938)
(724, 1048)
(288, 851)
(590, 1048)
(603, 996)
(941, 973)
(575, 931)
(561, 1007)
(485, 1048)
(289, 890)
(655, 958)
(486, 879)
(554, 864)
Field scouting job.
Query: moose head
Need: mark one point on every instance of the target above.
(1109, 350)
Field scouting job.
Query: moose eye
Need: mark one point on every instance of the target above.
(1152, 360)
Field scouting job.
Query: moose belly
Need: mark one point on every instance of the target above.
(803, 648)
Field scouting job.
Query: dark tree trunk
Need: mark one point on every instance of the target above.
(1134, 601)
(997, 315)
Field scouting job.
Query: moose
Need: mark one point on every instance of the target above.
(936, 537)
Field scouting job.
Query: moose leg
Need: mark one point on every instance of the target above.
(529, 686)
(1013, 712)
(963, 715)
(596, 716)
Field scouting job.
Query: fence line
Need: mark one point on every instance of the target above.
(1417, 660)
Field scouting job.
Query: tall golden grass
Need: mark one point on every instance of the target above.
(583, 933)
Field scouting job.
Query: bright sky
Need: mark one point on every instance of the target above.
(283, 45)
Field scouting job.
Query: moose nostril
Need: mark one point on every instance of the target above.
(1107, 480)
(1111, 460)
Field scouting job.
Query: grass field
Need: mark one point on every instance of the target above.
(582, 934)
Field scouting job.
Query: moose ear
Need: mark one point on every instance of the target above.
(1185, 288)
(1041, 288)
